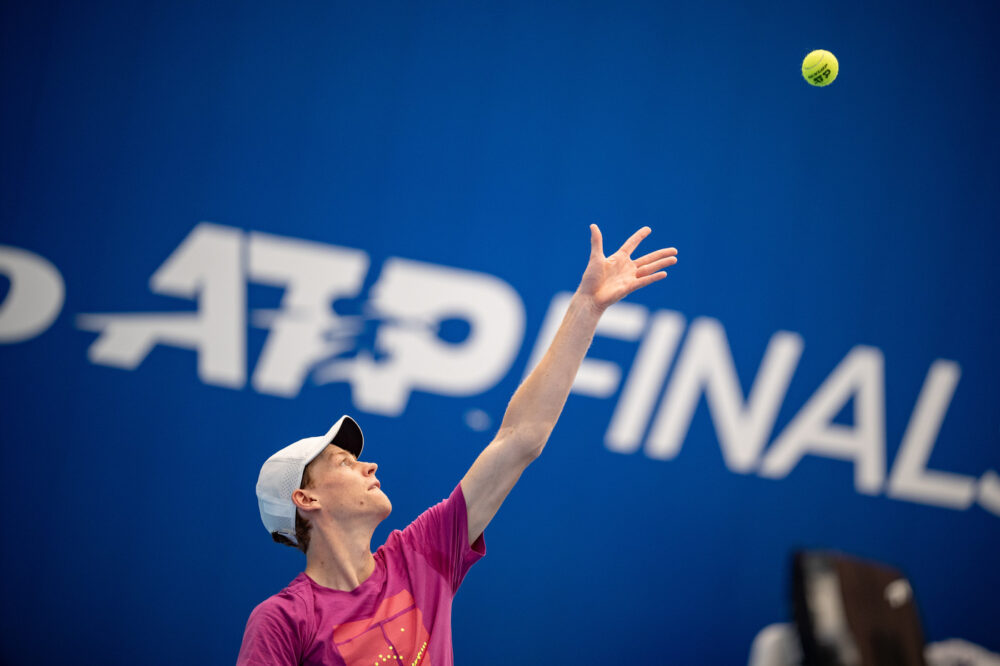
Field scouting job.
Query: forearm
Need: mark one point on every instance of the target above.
(538, 402)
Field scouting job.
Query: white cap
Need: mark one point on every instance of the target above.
(281, 474)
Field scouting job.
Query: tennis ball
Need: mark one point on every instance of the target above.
(820, 68)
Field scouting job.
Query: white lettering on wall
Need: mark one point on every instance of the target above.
(305, 330)
(706, 365)
(910, 478)
(411, 301)
(413, 298)
(35, 296)
(207, 267)
(812, 431)
(988, 494)
(642, 386)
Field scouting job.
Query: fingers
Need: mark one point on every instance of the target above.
(656, 256)
(651, 268)
(596, 242)
(649, 279)
(633, 242)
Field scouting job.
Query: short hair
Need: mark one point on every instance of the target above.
(302, 526)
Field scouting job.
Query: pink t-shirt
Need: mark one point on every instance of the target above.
(400, 615)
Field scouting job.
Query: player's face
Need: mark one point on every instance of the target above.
(348, 487)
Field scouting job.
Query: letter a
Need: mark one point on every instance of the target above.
(812, 431)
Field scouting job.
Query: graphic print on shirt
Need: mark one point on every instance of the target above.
(395, 634)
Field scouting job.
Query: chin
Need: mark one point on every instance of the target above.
(386, 507)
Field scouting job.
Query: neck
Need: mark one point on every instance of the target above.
(340, 559)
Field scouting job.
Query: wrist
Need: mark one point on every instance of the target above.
(587, 303)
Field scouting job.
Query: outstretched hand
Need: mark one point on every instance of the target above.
(607, 280)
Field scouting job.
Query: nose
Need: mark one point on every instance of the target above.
(370, 469)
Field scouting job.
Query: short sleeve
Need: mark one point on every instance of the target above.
(441, 534)
(270, 638)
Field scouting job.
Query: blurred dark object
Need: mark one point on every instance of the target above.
(851, 612)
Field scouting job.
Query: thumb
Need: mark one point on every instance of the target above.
(596, 242)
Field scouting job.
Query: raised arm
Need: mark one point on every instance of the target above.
(536, 405)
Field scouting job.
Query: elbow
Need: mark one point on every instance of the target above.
(530, 454)
(526, 440)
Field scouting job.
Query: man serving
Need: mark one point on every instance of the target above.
(352, 606)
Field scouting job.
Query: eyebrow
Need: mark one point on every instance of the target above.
(344, 453)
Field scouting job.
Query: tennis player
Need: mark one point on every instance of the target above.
(352, 606)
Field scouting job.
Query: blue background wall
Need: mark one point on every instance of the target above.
(487, 137)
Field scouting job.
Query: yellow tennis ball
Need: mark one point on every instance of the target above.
(820, 68)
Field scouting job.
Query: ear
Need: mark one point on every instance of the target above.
(305, 500)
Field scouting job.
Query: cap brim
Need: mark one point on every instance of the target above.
(346, 433)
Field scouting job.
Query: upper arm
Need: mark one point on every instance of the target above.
(489, 480)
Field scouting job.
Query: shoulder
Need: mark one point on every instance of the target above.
(448, 510)
(436, 520)
(288, 607)
(278, 628)
(440, 536)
